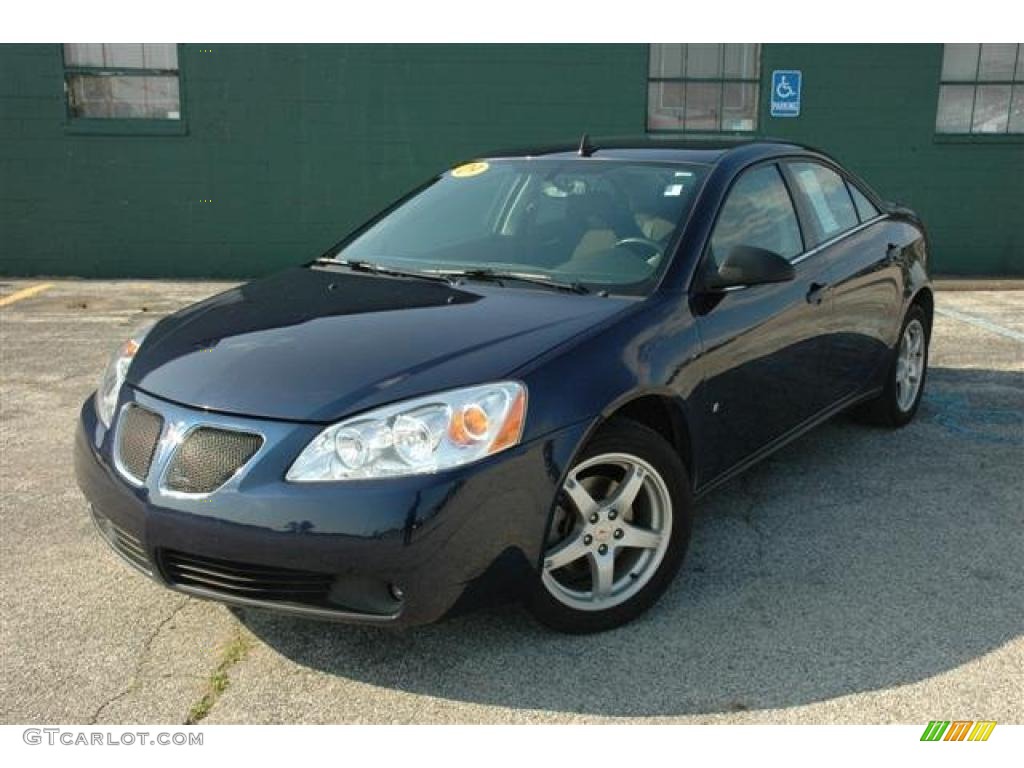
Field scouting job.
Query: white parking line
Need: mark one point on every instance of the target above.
(980, 322)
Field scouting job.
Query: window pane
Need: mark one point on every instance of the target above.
(954, 114)
(1017, 110)
(960, 61)
(665, 106)
(991, 109)
(1020, 64)
(741, 60)
(160, 55)
(865, 208)
(83, 54)
(123, 55)
(127, 96)
(704, 60)
(124, 97)
(667, 59)
(997, 61)
(162, 99)
(89, 96)
(760, 213)
(702, 101)
(739, 107)
(830, 201)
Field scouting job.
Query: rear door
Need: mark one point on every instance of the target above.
(848, 234)
(763, 355)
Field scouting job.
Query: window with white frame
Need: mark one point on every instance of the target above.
(703, 88)
(981, 89)
(122, 80)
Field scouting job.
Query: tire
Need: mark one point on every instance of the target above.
(642, 525)
(892, 408)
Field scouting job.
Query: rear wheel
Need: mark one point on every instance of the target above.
(904, 384)
(618, 534)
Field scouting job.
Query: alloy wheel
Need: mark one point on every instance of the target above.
(611, 529)
(910, 365)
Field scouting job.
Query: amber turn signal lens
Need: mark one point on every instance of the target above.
(512, 429)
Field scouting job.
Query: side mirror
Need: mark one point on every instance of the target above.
(748, 265)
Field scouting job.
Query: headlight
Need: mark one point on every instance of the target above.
(419, 436)
(113, 376)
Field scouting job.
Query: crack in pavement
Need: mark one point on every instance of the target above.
(140, 661)
(233, 653)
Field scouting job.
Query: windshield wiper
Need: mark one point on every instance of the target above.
(499, 275)
(373, 268)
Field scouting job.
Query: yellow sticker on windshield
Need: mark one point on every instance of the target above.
(470, 169)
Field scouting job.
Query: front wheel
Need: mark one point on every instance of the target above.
(619, 532)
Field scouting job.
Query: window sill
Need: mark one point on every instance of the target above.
(979, 138)
(94, 126)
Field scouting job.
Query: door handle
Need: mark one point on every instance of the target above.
(816, 293)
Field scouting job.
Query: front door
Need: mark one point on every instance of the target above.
(763, 346)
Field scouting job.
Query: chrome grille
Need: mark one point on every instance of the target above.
(208, 457)
(138, 434)
(125, 544)
(244, 580)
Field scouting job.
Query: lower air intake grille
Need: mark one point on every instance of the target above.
(138, 435)
(125, 544)
(209, 457)
(253, 582)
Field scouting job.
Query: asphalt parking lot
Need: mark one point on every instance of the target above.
(858, 576)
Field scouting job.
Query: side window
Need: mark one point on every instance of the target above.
(758, 212)
(828, 197)
(865, 208)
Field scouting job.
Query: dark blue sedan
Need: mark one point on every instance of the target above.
(513, 382)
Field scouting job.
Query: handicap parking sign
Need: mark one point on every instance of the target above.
(786, 92)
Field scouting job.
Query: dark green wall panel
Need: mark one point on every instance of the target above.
(296, 144)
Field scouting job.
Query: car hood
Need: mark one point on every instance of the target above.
(316, 345)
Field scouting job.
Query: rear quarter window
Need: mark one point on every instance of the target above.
(866, 210)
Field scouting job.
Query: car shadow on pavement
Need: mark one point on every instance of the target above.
(854, 560)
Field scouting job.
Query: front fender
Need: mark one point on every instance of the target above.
(645, 352)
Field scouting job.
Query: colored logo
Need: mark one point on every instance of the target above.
(958, 730)
(470, 169)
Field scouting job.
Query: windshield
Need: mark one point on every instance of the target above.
(603, 224)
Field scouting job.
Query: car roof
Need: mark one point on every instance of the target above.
(705, 151)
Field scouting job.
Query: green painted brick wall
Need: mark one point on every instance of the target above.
(296, 144)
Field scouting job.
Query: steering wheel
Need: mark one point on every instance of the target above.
(632, 243)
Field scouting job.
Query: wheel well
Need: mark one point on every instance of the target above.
(926, 301)
(664, 416)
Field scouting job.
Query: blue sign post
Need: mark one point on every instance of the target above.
(786, 92)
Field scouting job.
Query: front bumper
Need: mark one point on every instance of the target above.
(446, 541)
